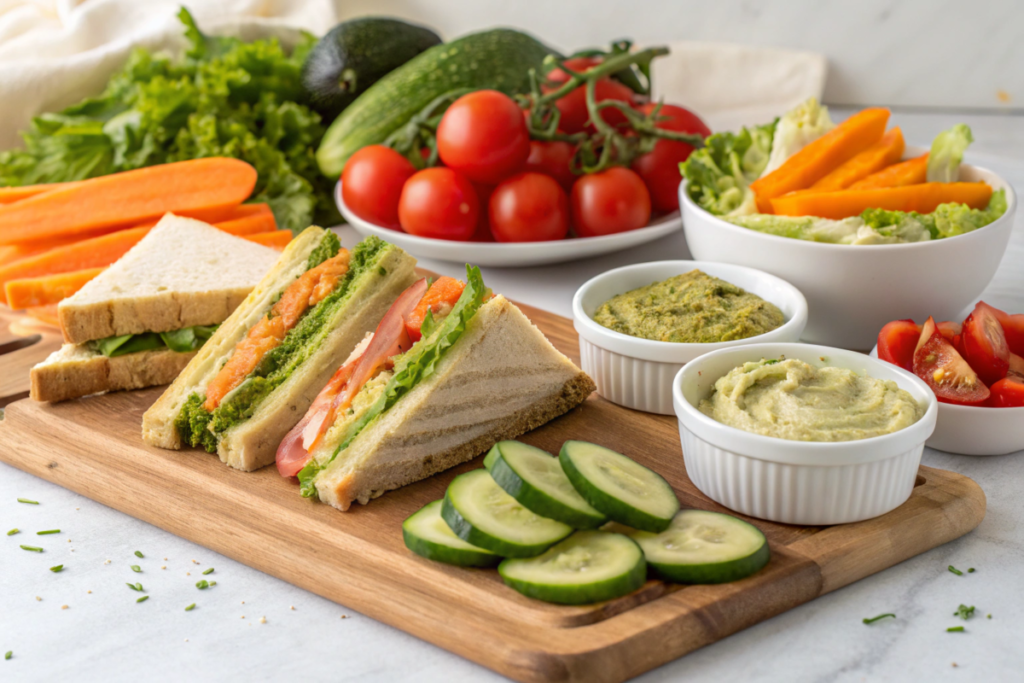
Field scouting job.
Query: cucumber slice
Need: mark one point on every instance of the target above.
(427, 535)
(705, 547)
(481, 513)
(589, 566)
(536, 479)
(490, 457)
(622, 489)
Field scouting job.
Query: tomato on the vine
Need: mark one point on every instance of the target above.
(552, 159)
(483, 135)
(440, 203)
(659, 168)
(372, 182)
(574, 116)
(614, 200)
(529, 207)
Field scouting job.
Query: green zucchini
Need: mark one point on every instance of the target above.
(427, 535)
(536, 479)
(357, 53)
(589, 566)
(624, 490)
(482, 514)
(704, 547)
(500, 59)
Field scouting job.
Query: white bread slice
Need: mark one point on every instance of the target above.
(501, 379)
(76, 370)
(183, 273)
(252, 444)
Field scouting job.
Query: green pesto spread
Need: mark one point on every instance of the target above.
(199, 426)
(692, 308)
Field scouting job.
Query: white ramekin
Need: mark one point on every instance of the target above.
(798, 482)
(638, 373)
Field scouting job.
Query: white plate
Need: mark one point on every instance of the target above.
(510, 255)
(970, 430)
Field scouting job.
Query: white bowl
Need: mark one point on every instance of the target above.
(798, 482)
(853, 290)
(970, 430)
(513, 254)
(638, 373)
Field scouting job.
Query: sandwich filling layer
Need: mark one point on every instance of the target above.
(277, 345)
(180, 341)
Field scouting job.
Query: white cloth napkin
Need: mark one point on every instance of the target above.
(54, 53)
(736, 85)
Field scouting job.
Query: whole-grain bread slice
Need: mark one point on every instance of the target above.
(183, 273)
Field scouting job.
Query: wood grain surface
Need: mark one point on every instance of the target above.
(93, 446)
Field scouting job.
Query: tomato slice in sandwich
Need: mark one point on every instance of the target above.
(984, 344)
(897, 341)
(945, 370)
(1008, 392)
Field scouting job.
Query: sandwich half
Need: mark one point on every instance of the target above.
(449, 371)
(140, 321)
(254, 379)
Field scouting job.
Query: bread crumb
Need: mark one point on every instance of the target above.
(243, 602)
(243, 616)
(954, 665)
(344, 616)
(188, 573)
(293, 608)
(72, 550)
(38, 599)
(165, 559)
(263, 620)
(164, 567)
(63, 606)
(90, 592)
(186, 640)
(106, 561)
(69, 540)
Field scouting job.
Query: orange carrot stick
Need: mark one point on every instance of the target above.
(922, 198)
(9, 195)
(199, 188)
(886, 151)
(249, 225)
(48, 289)
(819, 158)
(275, 240)
(911, 172)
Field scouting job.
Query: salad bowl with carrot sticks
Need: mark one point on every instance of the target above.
(870, 229)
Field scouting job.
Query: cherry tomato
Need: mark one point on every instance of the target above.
(483, 223)
(945, 370)
(984, 344)
(574, 115)
(950, 330)
(529, 207)
(1008, 392)
(1016, 364)
(612, 201)
(659, 168)
(483, 135)
(439, 203)
(552, 158)
(897, 341)
(371, 184)
(1013, 328)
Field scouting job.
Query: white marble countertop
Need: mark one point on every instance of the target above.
(84, 622)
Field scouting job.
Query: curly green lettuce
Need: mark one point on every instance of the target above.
(718, 176)
(947, 152)
(224, 97)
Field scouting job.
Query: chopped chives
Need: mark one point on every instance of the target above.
(955, 629)
(27, 501)
(880, 616)
(213, 583)
(143, 598)
(138, 553)
(8, 654)
(48, 532)
(203, 584)
(136, 568)
(190, 607)
(208, 571)
(955, 570)
(58, 568)
(964, 612)
(13, 531)
(31, 548)
(135, 586)
(971, 570)
(138, 586)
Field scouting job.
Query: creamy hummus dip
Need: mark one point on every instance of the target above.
(690, 308)
(790, 399)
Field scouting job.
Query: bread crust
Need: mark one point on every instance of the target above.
(72, 378)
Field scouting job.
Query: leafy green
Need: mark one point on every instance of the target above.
(947, 152)
(718, 175)
(948, 220)
(224, 97)
(412, 367)
(798, 127)
(188, 339)
(182, 341)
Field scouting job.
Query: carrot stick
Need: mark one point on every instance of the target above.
(249, 225)
(48, 289)
(246, 210)
(9, 195)
(199, 188)
(922, 198)
(911, 172)
(886, 151)
(275, 240)
(819, 158)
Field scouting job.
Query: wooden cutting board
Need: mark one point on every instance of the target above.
(93, 446)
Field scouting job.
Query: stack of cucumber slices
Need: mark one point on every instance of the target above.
(579, 528)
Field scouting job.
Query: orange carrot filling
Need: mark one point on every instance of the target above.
(309, 290)
(440, 299)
